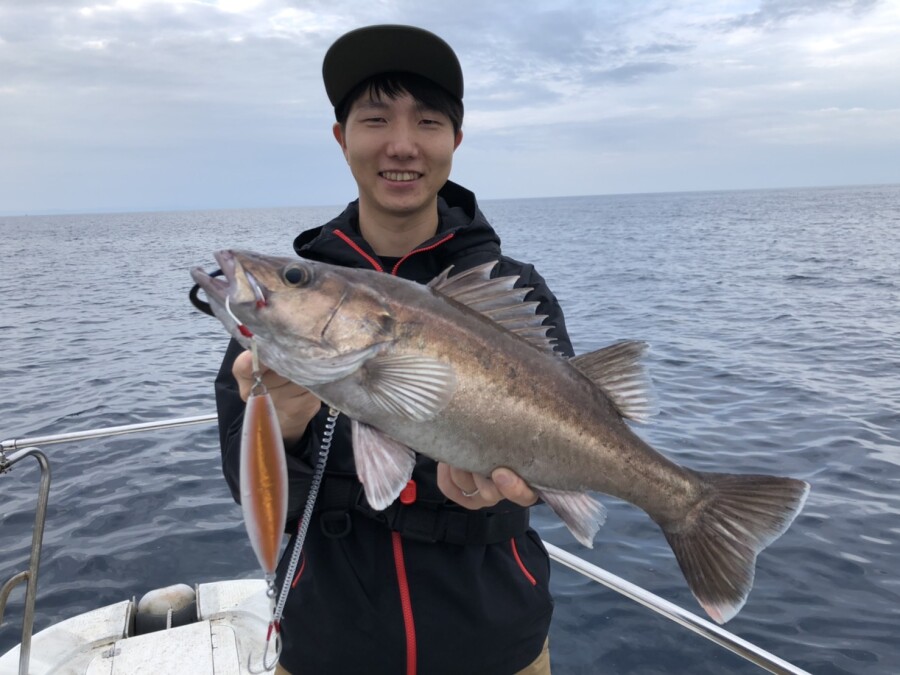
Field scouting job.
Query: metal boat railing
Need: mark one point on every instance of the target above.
(29, 447)
(30, 575)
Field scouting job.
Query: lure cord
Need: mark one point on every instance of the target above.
(324, 448)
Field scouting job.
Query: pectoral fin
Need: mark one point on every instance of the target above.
(383, 465)
(415, 387)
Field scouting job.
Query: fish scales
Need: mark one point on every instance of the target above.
(522, 409)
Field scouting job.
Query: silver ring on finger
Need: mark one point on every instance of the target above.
(469, 494)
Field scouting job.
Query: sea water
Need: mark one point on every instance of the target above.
(774, 323)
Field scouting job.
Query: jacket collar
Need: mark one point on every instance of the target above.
(463, 231)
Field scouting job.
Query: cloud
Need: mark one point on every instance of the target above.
(776, 12)
(175, 103)
(629, 72)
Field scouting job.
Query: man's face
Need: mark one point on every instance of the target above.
(399, 153)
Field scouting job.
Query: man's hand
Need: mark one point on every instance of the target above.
(295, 405)
(476, 492)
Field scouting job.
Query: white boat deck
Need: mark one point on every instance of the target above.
(227, 639)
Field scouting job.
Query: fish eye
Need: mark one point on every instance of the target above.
(295, 275)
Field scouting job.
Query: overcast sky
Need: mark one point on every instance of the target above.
(191, 104)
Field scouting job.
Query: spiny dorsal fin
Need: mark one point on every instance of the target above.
(616, 370)
(498, 300)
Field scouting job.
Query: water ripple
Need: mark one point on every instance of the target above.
(774, 346)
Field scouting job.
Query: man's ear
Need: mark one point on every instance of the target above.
(338, 133)
(458, 139)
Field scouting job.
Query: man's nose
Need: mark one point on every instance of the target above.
(402, 143)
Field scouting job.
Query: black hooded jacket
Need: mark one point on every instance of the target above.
(426, 586)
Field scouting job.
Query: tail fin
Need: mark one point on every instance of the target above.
(717, 544)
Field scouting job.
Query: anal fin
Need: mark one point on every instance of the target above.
(581, 513)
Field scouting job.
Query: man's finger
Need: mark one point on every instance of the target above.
(463, 480)
(512, 487)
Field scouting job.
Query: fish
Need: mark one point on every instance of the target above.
(263, 479)
(462, 371)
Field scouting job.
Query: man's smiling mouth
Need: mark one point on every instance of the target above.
(402, 176)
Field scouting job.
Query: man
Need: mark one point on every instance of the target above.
(450, 578)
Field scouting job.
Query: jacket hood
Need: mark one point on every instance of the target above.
(464, 239)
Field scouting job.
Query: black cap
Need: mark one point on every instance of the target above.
(358, 55)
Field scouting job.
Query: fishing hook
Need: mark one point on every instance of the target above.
(194, 297)
(266, 666)
(240, 326)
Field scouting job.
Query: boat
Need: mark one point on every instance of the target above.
(218, 628)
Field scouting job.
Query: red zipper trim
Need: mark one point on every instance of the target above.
(299, 573)
(376, 264)
(421, 250)
(405, 604)
(356, 247)
(522, 567)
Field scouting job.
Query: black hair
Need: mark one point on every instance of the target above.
(393, 85)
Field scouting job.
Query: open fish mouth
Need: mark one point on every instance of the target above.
(229, 289)
(222, 290)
